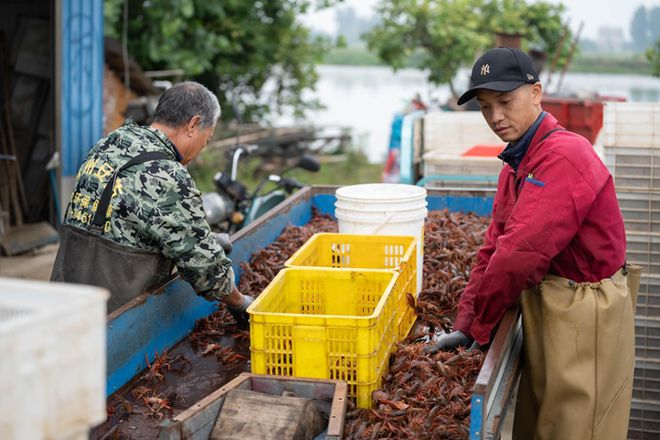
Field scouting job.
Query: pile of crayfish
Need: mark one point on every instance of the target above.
(428, 396)
(422, 396)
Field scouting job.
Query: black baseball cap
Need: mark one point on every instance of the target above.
(502, 69)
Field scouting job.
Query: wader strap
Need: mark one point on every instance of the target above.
(519, 181)
(550, 132)
(100, 215)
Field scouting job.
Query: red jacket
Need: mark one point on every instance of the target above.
(558, 214)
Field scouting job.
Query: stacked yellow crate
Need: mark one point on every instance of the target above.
(337, 311)
(352, 251)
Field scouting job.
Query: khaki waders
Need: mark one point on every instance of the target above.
(579, 356)
(86, 257)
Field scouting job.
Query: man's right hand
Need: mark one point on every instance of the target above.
(240, 313)
(447, 341)
(237, 304)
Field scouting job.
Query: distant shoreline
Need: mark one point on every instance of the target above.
(633, 64)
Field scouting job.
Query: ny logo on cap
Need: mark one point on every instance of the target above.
(485, 69)
(530, 77)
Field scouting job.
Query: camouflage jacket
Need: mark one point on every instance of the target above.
(155, 206)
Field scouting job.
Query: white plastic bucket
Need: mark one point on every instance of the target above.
(384, 209)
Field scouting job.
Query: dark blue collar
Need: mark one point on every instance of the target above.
(514, 153)
(179, 158)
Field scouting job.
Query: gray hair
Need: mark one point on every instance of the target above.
(178, 104)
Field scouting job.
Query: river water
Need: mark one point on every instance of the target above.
(366, 98)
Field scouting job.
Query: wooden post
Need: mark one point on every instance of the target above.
(17, 190)
(570, 56)
(558, 50)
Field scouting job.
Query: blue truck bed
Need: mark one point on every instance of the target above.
(156, 321)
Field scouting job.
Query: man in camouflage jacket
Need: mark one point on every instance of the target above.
(155, 205)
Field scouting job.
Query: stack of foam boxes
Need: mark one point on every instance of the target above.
(631, 142)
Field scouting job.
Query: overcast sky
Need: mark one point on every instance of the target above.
(594, 13)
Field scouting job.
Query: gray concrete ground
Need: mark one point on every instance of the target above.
(34, 265)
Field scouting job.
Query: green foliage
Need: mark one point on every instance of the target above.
(447, 31)
(354, 168)
(451, 33)
(645, 27)
(506, 16)
(639, 29)
(633, 64)
(352, 56)
(653, 55)
(351, 26)
(253, 49)
(545, 28)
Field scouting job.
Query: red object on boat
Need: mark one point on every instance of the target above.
(484, 151)
(581, 116)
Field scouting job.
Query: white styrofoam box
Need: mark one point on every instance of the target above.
(446, 184)
(642, 226)
(640, 206)
(646, 389)
(644, 250)
(439, 163)
(643, 201)
(631, 124)
(52, 359)
(461, 181)
(455, 132)
(648, 298)
(641, 212)
(644, 420)
(634, 168)
(646, 385)
(647, 338)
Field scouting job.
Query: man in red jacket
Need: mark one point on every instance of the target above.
(556, 244)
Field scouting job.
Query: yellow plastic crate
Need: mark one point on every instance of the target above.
(367, 252)
(327, 324)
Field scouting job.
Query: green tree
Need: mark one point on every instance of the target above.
(351, 26)
(450, 33)
(639, 29)
(653, 55)
(255, 50)
(446, 32)
(654, 24)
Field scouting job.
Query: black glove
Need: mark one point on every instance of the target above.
(447, 341)
(240, 314)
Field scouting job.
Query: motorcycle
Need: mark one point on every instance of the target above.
(231, 207)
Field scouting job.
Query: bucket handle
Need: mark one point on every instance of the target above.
(389, 217)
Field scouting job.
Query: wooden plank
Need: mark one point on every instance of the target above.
(197, 421)
(502, 342)
(252, 415)
(501, 405)
(495, 358)
(211, 398)
(15, 178)
(253, 138)
(337, 412)
(4, 194)
(9, 168)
